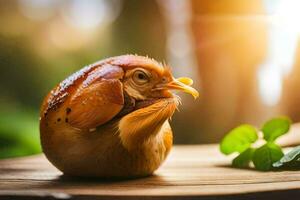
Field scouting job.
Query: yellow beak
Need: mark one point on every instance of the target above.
(182, 84)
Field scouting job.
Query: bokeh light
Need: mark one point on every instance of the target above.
(90, 14)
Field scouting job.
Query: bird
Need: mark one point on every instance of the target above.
(110, 119)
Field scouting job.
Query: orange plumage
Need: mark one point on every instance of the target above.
(110, 119)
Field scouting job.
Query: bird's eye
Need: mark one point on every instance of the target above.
(164, 80)
(140, 77)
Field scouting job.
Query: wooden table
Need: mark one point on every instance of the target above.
(191, 172)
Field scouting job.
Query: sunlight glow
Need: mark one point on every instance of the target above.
(288, 15)
(283, 36)
(270, 84)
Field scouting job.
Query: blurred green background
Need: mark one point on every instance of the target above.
(233, 50)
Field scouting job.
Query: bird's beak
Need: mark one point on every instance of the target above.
(182, 84)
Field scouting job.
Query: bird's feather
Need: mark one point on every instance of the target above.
(141, 124)
(96, 104)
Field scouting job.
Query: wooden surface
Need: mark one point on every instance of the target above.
(190, 172)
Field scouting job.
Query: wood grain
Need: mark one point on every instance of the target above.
(189, 172)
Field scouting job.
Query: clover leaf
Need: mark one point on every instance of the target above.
(239, 139)
(276, 127)
(266, 155)
(243, 160)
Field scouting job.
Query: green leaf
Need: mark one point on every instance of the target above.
(266, 155)
(289, 160)
(243, 160)
(276, 127)
(238, 139)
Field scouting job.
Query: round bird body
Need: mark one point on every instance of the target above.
(110, 119)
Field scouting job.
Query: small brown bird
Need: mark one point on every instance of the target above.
(110, 119)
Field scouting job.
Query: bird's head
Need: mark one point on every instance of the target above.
(146, 79)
